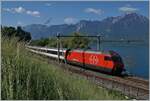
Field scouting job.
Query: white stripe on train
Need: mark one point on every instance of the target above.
(44, 48)
(47, 54)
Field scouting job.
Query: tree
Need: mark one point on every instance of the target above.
(8, 31)
(41, 42)
(78, 42)
(23, 35)
(12, 32)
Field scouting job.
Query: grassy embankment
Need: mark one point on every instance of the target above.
(24, 76)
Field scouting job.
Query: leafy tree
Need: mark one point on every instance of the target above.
(71, 42)
(52, 42)
(78, 42)
(22, 34)
(75, 42)
(8, 31)
(41, 42)
(12, 32)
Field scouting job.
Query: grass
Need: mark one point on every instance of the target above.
(26, 77)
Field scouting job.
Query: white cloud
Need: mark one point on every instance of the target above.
(22, 10)
(19, 10)
(14, 10)
(70, 20)
(95, 11)
(33, 13)
(128, 9)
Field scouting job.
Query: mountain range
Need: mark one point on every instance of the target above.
(130, 26)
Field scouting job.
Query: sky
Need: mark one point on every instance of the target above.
(14, 13)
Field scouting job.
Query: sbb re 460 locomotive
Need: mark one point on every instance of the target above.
(108, 62)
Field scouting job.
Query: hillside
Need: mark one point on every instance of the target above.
(131, 26)
(25, 76)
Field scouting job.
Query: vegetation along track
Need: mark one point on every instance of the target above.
(131, 86)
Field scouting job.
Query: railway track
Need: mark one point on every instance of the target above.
(138, 80)
(133, 87)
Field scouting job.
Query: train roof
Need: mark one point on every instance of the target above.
(93, 51)
(79, 50)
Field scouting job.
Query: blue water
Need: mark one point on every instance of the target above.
(135, 58)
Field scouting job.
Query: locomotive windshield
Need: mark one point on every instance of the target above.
(116, 59)
(113, 58)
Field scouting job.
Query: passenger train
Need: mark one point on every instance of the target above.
(107, 62)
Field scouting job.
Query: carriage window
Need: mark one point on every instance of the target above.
(54, 52)
(43, 50)
(107, 58)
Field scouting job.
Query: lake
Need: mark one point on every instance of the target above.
(135, 57)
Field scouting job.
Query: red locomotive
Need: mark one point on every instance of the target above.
(108, 62)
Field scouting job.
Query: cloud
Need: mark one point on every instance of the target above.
(70, 20)
(128, 9)
(95, 11)
(19, 10)
(15, 10)
(22, 10)
(33, 13)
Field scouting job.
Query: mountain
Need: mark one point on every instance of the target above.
(37, 30)
(133, 25)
